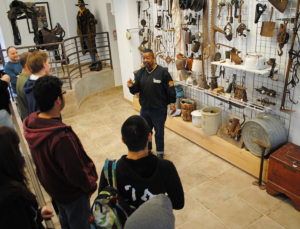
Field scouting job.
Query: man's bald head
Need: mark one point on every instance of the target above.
(23, 58)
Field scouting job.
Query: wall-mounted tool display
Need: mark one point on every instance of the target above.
(265, 91)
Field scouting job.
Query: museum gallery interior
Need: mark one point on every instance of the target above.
(232, 131)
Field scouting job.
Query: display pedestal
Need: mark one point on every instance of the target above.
(239, 157)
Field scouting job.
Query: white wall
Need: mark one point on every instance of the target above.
(58, 13)
(126, 18)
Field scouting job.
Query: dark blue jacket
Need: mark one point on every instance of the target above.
(31, 104)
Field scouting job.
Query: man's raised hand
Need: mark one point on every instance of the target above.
(129, 83)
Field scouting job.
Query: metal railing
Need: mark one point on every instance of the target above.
(69, 55)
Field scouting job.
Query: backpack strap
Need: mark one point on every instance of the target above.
(110, 172)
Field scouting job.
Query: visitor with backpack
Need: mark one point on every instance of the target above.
(140, 175)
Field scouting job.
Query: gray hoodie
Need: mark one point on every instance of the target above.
(156, 213)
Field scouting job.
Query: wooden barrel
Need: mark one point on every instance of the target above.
(267, 129)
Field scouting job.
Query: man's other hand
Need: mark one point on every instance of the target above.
(6, 78)
(129, 83)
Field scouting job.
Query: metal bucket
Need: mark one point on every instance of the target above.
(267, 129)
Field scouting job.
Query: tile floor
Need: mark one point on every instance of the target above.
(217, 194)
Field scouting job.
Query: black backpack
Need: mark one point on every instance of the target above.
(109, 209)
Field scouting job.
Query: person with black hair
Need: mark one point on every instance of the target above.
(18, 205)
(64, 169)
(13, 68)
(156, 88)
(141, 175)
(5, 118)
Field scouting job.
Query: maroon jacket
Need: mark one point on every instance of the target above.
(63, 167)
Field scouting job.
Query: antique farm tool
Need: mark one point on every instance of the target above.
(260, 9)
(235, 129)
(240, 93)
(282, 37)
(279, 5)
(202, 79)
(263, 150)
(215, 29)
(265, 101)
(236, 6)
(293, 67)
(222, 71)
(266, 91)
(231, 5)
(221, 5)
(272, 62)
(233, 53)
(228, 31)
(198, 34)
(205, 34)
(240, 14)
(268, 27)
(240, 30)
(139, 8)
(228, 11)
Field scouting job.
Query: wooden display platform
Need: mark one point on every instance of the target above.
(241, 158)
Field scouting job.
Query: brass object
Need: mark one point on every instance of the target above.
(268, 27)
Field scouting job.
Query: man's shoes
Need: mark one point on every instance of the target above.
(92, 65)
(161, 156)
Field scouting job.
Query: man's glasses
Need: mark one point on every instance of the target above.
(64, 92)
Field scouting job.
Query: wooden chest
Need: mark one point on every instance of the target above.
(284, 173)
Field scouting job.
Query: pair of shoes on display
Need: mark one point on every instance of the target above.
(96, 67)
(161, 156)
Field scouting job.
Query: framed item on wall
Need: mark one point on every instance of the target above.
(44, 18)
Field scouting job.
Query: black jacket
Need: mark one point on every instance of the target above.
(17, 211)
(139, 180)
(156, 89)
(4, 96)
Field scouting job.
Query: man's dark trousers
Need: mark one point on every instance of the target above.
(156, 118)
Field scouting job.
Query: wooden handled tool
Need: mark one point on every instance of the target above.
(231, 5)
(268, 27)
(240, 14)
